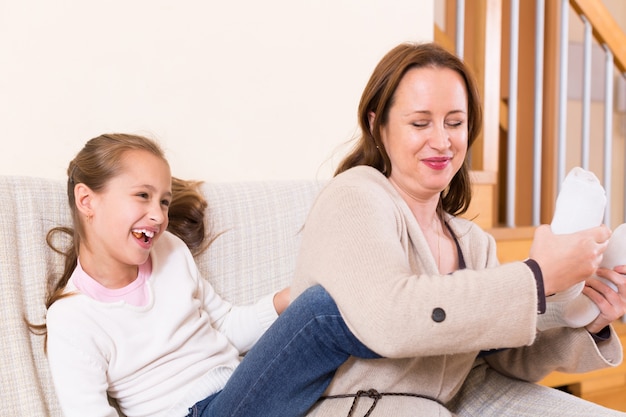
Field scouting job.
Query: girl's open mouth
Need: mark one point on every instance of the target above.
(144, 234)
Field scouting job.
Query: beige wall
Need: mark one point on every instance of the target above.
(233, 90)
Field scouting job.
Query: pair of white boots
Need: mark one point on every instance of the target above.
(580, 205)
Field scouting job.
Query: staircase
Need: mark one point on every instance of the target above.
(530, 137)
(536, 130)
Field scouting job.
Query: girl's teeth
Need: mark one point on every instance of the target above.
(146, 234)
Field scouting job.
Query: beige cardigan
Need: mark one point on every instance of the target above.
(362, 243)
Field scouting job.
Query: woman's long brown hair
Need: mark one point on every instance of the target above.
(378, 97)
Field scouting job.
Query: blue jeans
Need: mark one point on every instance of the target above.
(289, 368)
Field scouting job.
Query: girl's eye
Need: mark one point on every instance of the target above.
(420, 124)
(165, 203)
(143, 195)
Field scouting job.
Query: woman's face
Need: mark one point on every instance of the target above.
(426, 131)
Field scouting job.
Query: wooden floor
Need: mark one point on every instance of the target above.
(614, 399)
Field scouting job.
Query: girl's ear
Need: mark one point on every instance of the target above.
(83, 197)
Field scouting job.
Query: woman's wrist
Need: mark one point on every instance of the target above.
(541, 293)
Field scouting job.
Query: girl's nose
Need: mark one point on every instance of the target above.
(156, 215)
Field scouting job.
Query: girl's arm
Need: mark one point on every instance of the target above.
(242, 325)
(79, 379)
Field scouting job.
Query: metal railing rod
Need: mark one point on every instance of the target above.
(460, 28)
(512, 115)
(586, 97)
(537, 132)
(608, 130)
(562, 112)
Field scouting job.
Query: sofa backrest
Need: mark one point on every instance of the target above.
(258, 225)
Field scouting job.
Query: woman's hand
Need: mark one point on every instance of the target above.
(612, 303)
(567, 259)
(281, 300)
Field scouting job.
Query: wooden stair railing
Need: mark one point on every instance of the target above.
(485, 45)
(605, 29)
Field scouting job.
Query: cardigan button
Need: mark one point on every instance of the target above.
(438, 315)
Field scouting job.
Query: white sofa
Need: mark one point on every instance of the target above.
(254, 255)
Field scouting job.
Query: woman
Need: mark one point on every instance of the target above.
(422, 287)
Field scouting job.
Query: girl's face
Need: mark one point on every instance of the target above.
(126, 218)
(426, 132)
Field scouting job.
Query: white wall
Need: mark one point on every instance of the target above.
(233, 90)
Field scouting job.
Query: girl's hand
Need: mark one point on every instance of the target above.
(281, 300)
(612, 303)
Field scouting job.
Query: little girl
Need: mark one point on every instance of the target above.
(133, 320)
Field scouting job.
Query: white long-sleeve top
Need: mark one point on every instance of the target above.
(157, 359)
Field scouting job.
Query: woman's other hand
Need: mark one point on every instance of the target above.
(610, 300)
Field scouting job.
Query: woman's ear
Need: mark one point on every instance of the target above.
(371, 116)
(83, 197)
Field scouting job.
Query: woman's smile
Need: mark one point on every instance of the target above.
(438, 162)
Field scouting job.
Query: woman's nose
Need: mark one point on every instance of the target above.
(440, 139)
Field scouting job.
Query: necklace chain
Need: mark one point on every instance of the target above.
(438, 249)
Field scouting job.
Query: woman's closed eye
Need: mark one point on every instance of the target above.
(455, 123)
(421, 123)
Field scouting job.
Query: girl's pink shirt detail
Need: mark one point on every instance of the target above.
(135, 293)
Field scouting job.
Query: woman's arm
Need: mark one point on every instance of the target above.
(362, 247)
(560, 349)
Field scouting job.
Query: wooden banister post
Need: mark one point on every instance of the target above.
(482, 52)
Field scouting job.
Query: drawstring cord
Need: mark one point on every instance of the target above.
(375, 395)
